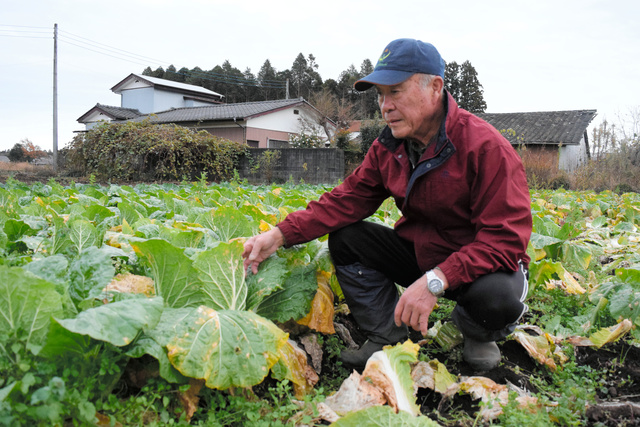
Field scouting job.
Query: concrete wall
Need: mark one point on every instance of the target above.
(312, 165)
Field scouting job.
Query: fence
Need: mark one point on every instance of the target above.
(312, 165)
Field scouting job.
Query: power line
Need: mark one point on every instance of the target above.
(229, 79)
(98, 45)
(24, 26)
(123, 55)
(102, 53)
(109, 48)
(24, 37)
(237, 83)
(24, 31)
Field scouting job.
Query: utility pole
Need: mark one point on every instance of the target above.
(55, 98)
(287, 91)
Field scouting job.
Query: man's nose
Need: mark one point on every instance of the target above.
(385, 103)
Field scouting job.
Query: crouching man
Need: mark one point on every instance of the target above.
(465, 225)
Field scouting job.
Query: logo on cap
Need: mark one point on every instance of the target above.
(383, 57)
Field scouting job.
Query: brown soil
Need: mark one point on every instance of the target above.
(617, 398)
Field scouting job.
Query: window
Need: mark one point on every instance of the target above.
(276, 143)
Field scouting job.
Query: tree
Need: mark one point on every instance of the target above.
(298, 72)
(304, 76)
(197, 77)
(345, 83)
(25, 151)
(461, 81)
(452, 79)
(172, 74)
(16, 154)
(267, 81)
(158, 72)
(250, 85)
(368, 99)
(184, 74)
(603, 140)
(339, 111)
(331, 85)
(369, 131)
(471, 93)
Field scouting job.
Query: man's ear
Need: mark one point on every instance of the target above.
(437, 83)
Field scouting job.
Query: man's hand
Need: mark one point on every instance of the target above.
(260, 247)
(416, 304)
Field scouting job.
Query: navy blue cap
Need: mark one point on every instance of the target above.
(401, 59)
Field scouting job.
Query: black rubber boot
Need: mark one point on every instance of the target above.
(481, 356)
(480, 349)
(357, 359)
(372, 299)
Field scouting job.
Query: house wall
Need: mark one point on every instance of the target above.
(195, 103)
(233, 133)
(152, 100)
(572, 156)
(257, 138)
(264, 135)
(286, 120)
(140, 98)
(95, 119)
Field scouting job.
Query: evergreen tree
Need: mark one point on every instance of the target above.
(461, 81)
(452, 79)
(368, 99)
(345, 83)
(305, 78)
(172, 74)
(471, 93)
(158, 72)
(17, 154)
(184, 74)
(266, 81)
(250, 86)
(197, 77)
(298, 71)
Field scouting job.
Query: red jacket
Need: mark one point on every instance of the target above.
(465, 207)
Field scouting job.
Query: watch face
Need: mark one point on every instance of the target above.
(436, 287)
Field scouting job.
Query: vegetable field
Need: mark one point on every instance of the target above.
(128, 305)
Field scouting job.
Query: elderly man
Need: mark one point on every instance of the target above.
(465, 225)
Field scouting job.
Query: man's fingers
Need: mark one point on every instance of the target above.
(424, 325)
(397, 314)
(415, 320)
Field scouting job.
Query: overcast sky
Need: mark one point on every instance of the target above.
(530, 56)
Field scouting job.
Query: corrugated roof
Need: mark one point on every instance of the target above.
(238, 111)
(545, 127)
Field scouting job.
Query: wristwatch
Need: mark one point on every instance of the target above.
(435, 284)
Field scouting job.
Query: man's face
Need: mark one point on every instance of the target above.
(409, 108)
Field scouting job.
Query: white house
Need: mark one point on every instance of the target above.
(261, 124)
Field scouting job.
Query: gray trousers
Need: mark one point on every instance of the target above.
(370, 259)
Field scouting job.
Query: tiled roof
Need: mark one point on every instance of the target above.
(545, 127)
(120, 113)
(114, 113)
(239, 111)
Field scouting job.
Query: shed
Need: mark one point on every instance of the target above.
(565, 131)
